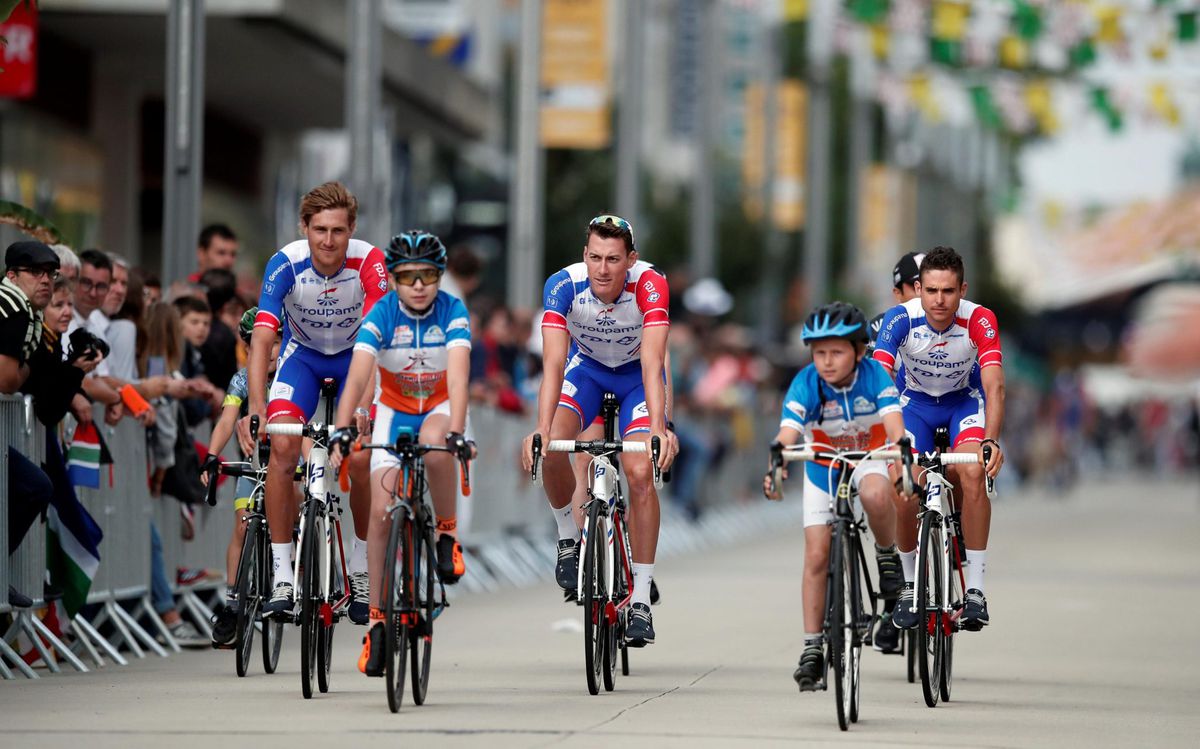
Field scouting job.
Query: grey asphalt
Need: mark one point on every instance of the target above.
(1094, 643)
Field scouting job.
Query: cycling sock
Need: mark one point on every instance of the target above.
(230, 593)
(974, 568)
(641, 582)
(565, 517)
(814, 639)
(908, 561)
(282, 556)
(448, 525)
(881, 550)
(358, 556)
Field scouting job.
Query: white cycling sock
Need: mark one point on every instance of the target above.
(565, 517)
(281, 554)
(358, 556)
(908, 561)
(814, 639)
(976, 564)
(641, 582)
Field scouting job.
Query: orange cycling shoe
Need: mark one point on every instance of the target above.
(450, 559)
(371, 660)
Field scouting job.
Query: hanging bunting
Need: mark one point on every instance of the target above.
(1185, 26)
(1041, 105)
(1026, 20)
(1163, 104)
(921, 93)
(1103, 104)
(1014, 52)
(985, 108)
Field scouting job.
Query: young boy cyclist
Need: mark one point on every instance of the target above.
(419, 340)
(844, 402)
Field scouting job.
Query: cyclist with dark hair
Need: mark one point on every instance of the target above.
(418, 339)
(841, 401)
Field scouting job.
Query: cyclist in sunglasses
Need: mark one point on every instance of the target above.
(419, 340)
(613, 307)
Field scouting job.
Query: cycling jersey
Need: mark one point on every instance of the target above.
(322, 312)
(413, 350)
(608, 334)
(874, 328)
(938, 363)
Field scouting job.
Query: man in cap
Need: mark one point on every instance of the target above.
(904, 279)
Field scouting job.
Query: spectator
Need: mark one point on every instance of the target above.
(493, 362)
(68, 262)
(218, 353)
(195, 322)
(217, 247)
(464, 272)
(151, 289)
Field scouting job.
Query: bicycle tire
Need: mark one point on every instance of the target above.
(956, 603)
(929, 596)
(854, 571)
(309, 605)
(272, 627)
(396, 612)
(910, 654)
(593, 599)
(425, 589)
(837, 635)
(325, 628)
(247, 586)
(623, 619)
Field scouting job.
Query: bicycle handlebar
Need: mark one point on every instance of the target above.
(596, 448)
(299, 430)
(464, 460)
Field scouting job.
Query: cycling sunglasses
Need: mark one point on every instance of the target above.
(612, 220)
(428, 276)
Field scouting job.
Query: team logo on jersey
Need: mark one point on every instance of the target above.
(269, 288)
(434, 334)
(797, 408)
(863, 406)
(991, 333)
(402, 336)
(939, 351)
(605, 318)
(831, 409)
(326, 298)
(383, 285)
(641, 410)
(417, 359)
(654, 297)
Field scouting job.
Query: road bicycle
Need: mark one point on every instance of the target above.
(940, 584)
(850, 598)
(605, 583)
(253, 581)
(413, 594)
(320, 572)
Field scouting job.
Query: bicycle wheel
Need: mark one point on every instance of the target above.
(326, 623)
(929, 596)
(855, 597)
(955, 598)
(425, 590)
(910, 654)
(840, 620)
(310, 612)
(593, 599)
(247, 586)
(397, 568)
(625, 577)
(272, 627)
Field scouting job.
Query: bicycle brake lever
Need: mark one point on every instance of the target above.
(536, 469)
(989, 483)
(655, 451)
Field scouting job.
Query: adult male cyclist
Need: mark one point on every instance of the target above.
(614, 308)
(843, 401)
(419, 340)
(322, 286)
(939, 337)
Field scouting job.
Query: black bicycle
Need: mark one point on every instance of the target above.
(413, 593)
(850, 598)
(253, 581)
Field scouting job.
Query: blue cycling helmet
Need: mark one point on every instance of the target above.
(415, 247)
(835, 320)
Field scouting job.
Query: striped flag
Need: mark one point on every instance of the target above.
(72, 535)
(83, 456)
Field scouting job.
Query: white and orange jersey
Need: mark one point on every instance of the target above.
(938, 362)
(609, 334)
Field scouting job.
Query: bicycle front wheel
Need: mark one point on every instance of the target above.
(955, 597)
(931, 559)
(325, 621)
(248, 588)
(396, 584)
(272, 627)
(425, 590)
(594, 599)
(840, 622)
(855, 597)
(309, 592)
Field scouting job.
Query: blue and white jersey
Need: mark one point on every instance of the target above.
(938, 362)
(413, 351)
(322, 313)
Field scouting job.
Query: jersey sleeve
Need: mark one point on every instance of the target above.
(653, 297)
(887, 395)
(985, 335)
(797, 404)
(558, 295)
(373, 274)
(371, 336)
(458, 325)
(238, 390)
(278, 279)
(892, 334)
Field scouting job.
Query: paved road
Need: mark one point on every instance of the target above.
(1094, 643)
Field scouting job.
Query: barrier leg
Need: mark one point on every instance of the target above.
(111, 608)
(200, 612)
(58, 645)
(83, 643)
(120, 613)
(21, 625)
(147, 610)
(92, 635)
(5, 672)
(7, 652)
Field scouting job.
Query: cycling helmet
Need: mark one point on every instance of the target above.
(415, 247)
(246, 326)
(835, 320)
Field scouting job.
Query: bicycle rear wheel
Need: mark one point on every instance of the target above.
(840, 623)
(862, 621)
(593, 598)
(425, 590)
(397, 611)
(309, 592)
(272, 627)
(955, 597)
(929, 597)
(248, 588)
(910, 654)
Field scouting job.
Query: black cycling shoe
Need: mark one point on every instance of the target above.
(566, 572)
(374, 656)
(224, 626)
(450, 562)
(887, 637)
(282, 601)
(902, 615)
(654, 596)
(360, 598)
(809, 673)
(975, 613)
(891, 576)
(640, 631)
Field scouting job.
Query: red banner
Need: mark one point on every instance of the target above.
(18, 56)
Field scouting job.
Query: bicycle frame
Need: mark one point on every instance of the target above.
(604, 487)
(939, 494)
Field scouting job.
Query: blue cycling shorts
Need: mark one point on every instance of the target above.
(297, 385)
(962, 412)
(585, 383)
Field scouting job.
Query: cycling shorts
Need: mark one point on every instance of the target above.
(818, 502)
(389, 422)
(242, 493)
(961, 411)
(297, 385)
(584, 386)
